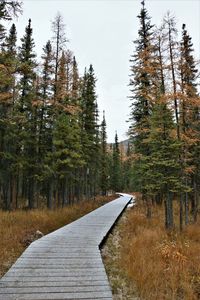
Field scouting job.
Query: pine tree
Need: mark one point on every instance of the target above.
(141, 79)
(49, 132)
(75, 82)
(62, 82)
(67, 154)
(7, 127)
(89, 131)
(45, 124)
(28, 114)
(141, 88)
(116, 167)
(8, 9)
(162, 169)
(104, 158)
(127, 170)
(65, 158)
(47, 71)
(8, 60)
(189, 121)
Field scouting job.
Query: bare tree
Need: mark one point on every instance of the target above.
(59, 41)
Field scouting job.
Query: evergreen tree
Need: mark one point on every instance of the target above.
(89, 130)
(49, 132)
(62, 81)
(162, 168)
(127, 170)
(189, 121)
(67, 154)
(7, 123)
(8, 62)
(8, 9)
(47, 71)
(116, 174)
(75, 82)
(141, 88)
(28, 114)
(141, 80)
(104, 158)
(45, 124)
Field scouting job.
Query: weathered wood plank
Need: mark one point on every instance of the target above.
(58, 296)
(66, 283)
(54, 289)
(65, 264)
(53, 279)
(55, 272)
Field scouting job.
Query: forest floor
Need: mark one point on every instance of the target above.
(144, 261)
(19, 228)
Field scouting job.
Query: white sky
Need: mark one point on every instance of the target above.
(101, 32)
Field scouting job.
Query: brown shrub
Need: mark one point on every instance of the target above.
(162, 265)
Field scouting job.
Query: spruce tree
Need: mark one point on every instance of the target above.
(116, 174)
(141, 88)
(127, 170)
(67, 155)
(7, 124)
(28, 114)
(75, 82)
(8, 9)
(89, 130)
(104, 158)
(189, 121)
(162, 168)
(62, 82)
(45, 124)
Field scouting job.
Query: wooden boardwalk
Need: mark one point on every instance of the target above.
(65, 264)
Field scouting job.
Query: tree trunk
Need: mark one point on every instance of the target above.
(148, 204)
(181, 212)
(31, 193)
(170, 210)
(186, 209)
(50, 195)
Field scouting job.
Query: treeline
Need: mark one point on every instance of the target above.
(165, 119)
(53, 151)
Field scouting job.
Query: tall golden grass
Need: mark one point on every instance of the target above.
(18, 228)
(163, 265)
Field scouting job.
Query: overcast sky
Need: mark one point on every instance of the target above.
(101, 32)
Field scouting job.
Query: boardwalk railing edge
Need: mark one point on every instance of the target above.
(117, 219)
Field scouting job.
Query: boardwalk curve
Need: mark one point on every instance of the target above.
(67, 263)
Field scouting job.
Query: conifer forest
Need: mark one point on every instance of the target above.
(53, 144)
(53, 148)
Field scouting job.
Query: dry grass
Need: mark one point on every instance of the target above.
(17, 229)
(121, 289)
(162, 265)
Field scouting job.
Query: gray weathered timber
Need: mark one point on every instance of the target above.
(67, 263)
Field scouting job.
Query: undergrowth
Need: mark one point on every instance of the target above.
(163, 265)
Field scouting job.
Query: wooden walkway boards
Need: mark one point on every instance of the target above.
(65, 264)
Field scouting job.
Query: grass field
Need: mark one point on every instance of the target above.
(162, 265)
